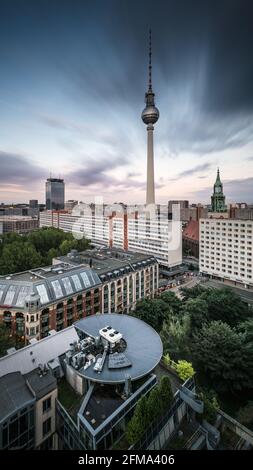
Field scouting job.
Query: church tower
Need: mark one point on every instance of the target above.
(218, 198)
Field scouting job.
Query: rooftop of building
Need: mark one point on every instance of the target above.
(17, 218)
(41, 381)
(69, 275)
(105, 260)
(39, 352)
(132, 348)
(51, 283)
(191, 231)
(14, 394)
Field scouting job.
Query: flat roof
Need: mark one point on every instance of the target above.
(29, 357)
(105, 260)
(144, 347)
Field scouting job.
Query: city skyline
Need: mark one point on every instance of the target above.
(72, 86)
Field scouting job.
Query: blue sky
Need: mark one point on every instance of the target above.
(72, 84)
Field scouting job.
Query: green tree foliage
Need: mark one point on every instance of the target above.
(21, 252)
(197, 309)
(6, 341)
(220, 351)
(175, 335)
(192, 293)
(245, 415)
(139, 422)
(185, 370)
(211, 405)
(172, 301)
(165, 391)
(19, 256)
(225, 305)
(149, 409)
(153, 312)
(154, 404)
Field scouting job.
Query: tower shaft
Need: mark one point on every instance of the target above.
(150, 116)
(150, 193)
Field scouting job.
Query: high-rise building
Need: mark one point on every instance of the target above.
(150, 116)
(226, 250)
(218, 198)
(159, 236)
(55, 194)
(33, 203)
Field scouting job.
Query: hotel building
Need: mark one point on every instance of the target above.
(226, 250)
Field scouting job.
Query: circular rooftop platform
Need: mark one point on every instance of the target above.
(143, 347)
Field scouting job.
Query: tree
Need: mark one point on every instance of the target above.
(197, 309)
(139, 422)
(172, 301)
(153, 312)
(192, 293)
(6, 341)
(184, 370)
(225, 305)
(220, 352)
(175, 335)
(52, 253)
(22, 252)
(67, 245)
(154, 408)
(211, 405)
(18, 256)
(165, 391)
(245, 414)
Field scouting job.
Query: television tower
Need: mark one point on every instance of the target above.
(150, 116)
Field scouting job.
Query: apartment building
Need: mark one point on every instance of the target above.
(77, 285)
(156, 236)
(226, 250)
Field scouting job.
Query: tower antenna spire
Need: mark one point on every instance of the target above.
(150, 62)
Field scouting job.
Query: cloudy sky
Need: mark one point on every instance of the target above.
(72, 80)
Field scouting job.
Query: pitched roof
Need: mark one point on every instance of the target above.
(14, 394)
(192, 230)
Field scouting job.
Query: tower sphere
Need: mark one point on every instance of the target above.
(150, 115)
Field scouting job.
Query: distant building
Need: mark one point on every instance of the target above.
(55, 194)
(33, 203)
(70, 204)
(226, 250)
(133, 231)
(77, 285)
(19, 224)
(184, 209)
(19, 210)
(191, 239)
(218, 198)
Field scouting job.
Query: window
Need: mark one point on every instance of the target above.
(46, 427)
(46, 405)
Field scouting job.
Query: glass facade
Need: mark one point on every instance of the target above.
(18, 432)
(55, 194)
